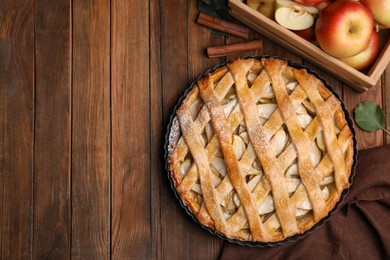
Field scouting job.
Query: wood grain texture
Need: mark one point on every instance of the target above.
(175, 236)
(131, 212)
(273, 49)
(16, 127)
(174, 46)
(157, 130)
(52, 130)
(91, 130)
(352, 99)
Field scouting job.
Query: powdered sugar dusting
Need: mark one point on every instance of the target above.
(174, 135)
(217, 111)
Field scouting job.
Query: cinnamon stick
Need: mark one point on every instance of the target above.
(225, 50)
(223, 26)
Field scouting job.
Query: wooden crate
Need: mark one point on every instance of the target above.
(352, 77)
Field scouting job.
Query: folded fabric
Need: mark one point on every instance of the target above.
(360, 229)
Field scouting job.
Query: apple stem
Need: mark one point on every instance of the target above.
(384, 129)
(376, 27)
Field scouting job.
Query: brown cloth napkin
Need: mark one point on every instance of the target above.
(360, 229)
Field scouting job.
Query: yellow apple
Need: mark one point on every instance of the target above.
(266, 7)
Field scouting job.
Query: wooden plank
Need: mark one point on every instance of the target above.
(352, 99)
(131, 212)
(17, 124)
(91, 130)
(174, 41)
(157, 129)
(174, 46)
(52, 130)
(175, 234)
(199, 38)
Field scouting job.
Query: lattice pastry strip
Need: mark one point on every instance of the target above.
(284, 177)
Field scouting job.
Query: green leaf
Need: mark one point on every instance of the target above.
(369, 116)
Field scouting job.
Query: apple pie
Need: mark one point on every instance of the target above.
(259, 150)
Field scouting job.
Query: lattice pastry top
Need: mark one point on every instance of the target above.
(263, 150)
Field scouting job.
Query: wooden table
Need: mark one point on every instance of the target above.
(86, 91)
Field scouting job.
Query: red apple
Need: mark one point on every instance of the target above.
(308, 2)
(364, 59)
(344, 28)
(380, 10)
(321, 5)
(308, 34)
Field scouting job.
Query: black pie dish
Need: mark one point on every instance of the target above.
(171, 140)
